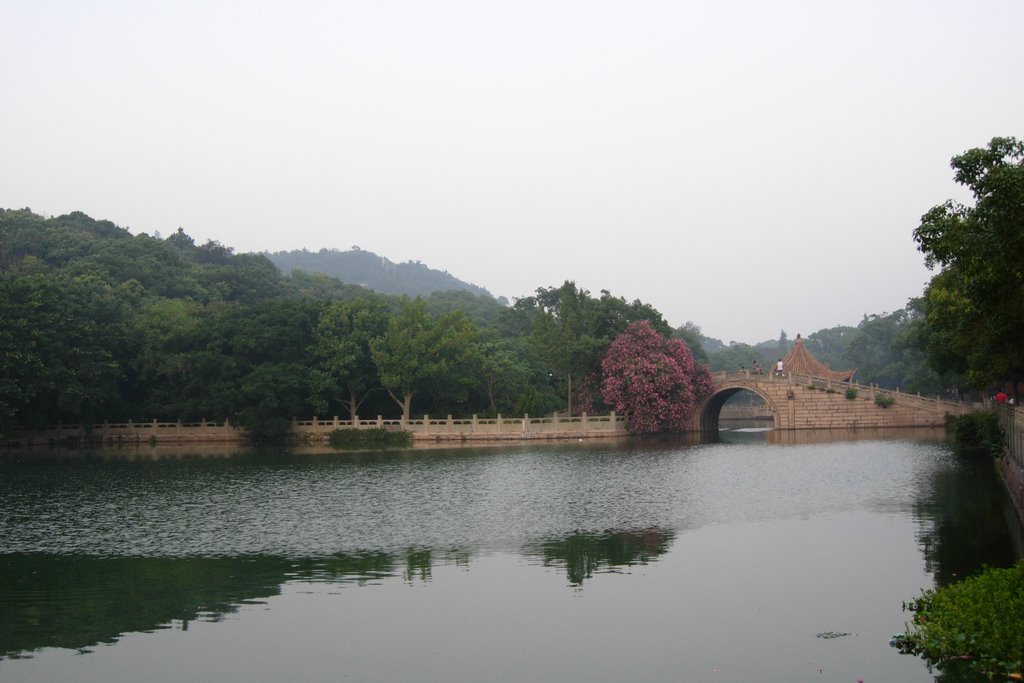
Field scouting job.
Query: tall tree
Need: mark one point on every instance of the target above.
(783, 343)
(59, 347)
(344, 368)
(257, 359)
(975, 304)
(690, 335)
(419, 353)
(166, 380)
(565, 332)
(504, 370)
(571, 330)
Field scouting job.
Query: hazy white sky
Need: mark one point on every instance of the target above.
(749, 166)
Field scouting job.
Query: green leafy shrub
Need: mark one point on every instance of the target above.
(973, 626)
(368, 438)
(884, 400)
(978, 433)
(851, 393)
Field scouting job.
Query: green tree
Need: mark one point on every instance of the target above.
(60, 343)
(975, 304)
(571, 330)
(255, 363)
(324, 288)
(420, 353)
(482, 309)
(344, 369)
(268, 395)
(690, 335)
(155, 264)
(245, 278)
(739, 355)
(828, 345)
(55, 241)
(886, 350)
(565, 332)
(504, 369)
(165, 382)
(915, 341)
(873, 350)
(784, 345)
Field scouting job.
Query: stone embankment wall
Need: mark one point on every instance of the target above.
(1011, 465)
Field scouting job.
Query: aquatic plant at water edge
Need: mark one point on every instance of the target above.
(368, 438)
(978, 433)
(975, 625)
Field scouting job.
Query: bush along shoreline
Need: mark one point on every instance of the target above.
(977, 434)
(368, 438)
(972, 627)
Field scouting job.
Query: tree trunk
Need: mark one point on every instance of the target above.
(568, 393)
(490, 393)
(405, 403)
(353, 405)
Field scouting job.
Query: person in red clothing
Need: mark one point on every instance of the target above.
(1001, 396)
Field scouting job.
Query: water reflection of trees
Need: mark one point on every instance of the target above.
(77, 602)
(584, 554)
(964, 521)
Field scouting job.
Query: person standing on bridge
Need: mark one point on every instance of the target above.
(778, 368)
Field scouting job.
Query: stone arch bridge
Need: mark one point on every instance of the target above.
(808, 402)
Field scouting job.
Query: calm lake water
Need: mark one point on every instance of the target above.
(643, 560)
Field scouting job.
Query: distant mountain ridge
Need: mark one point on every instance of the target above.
(364, 268)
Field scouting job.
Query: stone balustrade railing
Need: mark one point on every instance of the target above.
(556, 426)
(425, 428)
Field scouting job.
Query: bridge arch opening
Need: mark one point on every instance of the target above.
(736, 403)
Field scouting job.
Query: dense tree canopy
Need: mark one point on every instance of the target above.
(58, 348)
(100, 324)
(571, 330)
(975, 304)
(421, 354)
(344, 366)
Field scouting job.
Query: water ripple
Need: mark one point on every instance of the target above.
(496, 498)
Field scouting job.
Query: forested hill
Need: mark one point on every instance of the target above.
(98, 324)
(373, 272)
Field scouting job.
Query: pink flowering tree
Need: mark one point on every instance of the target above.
(652, 379)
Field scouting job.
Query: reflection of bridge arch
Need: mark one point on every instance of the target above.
(710, 410)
